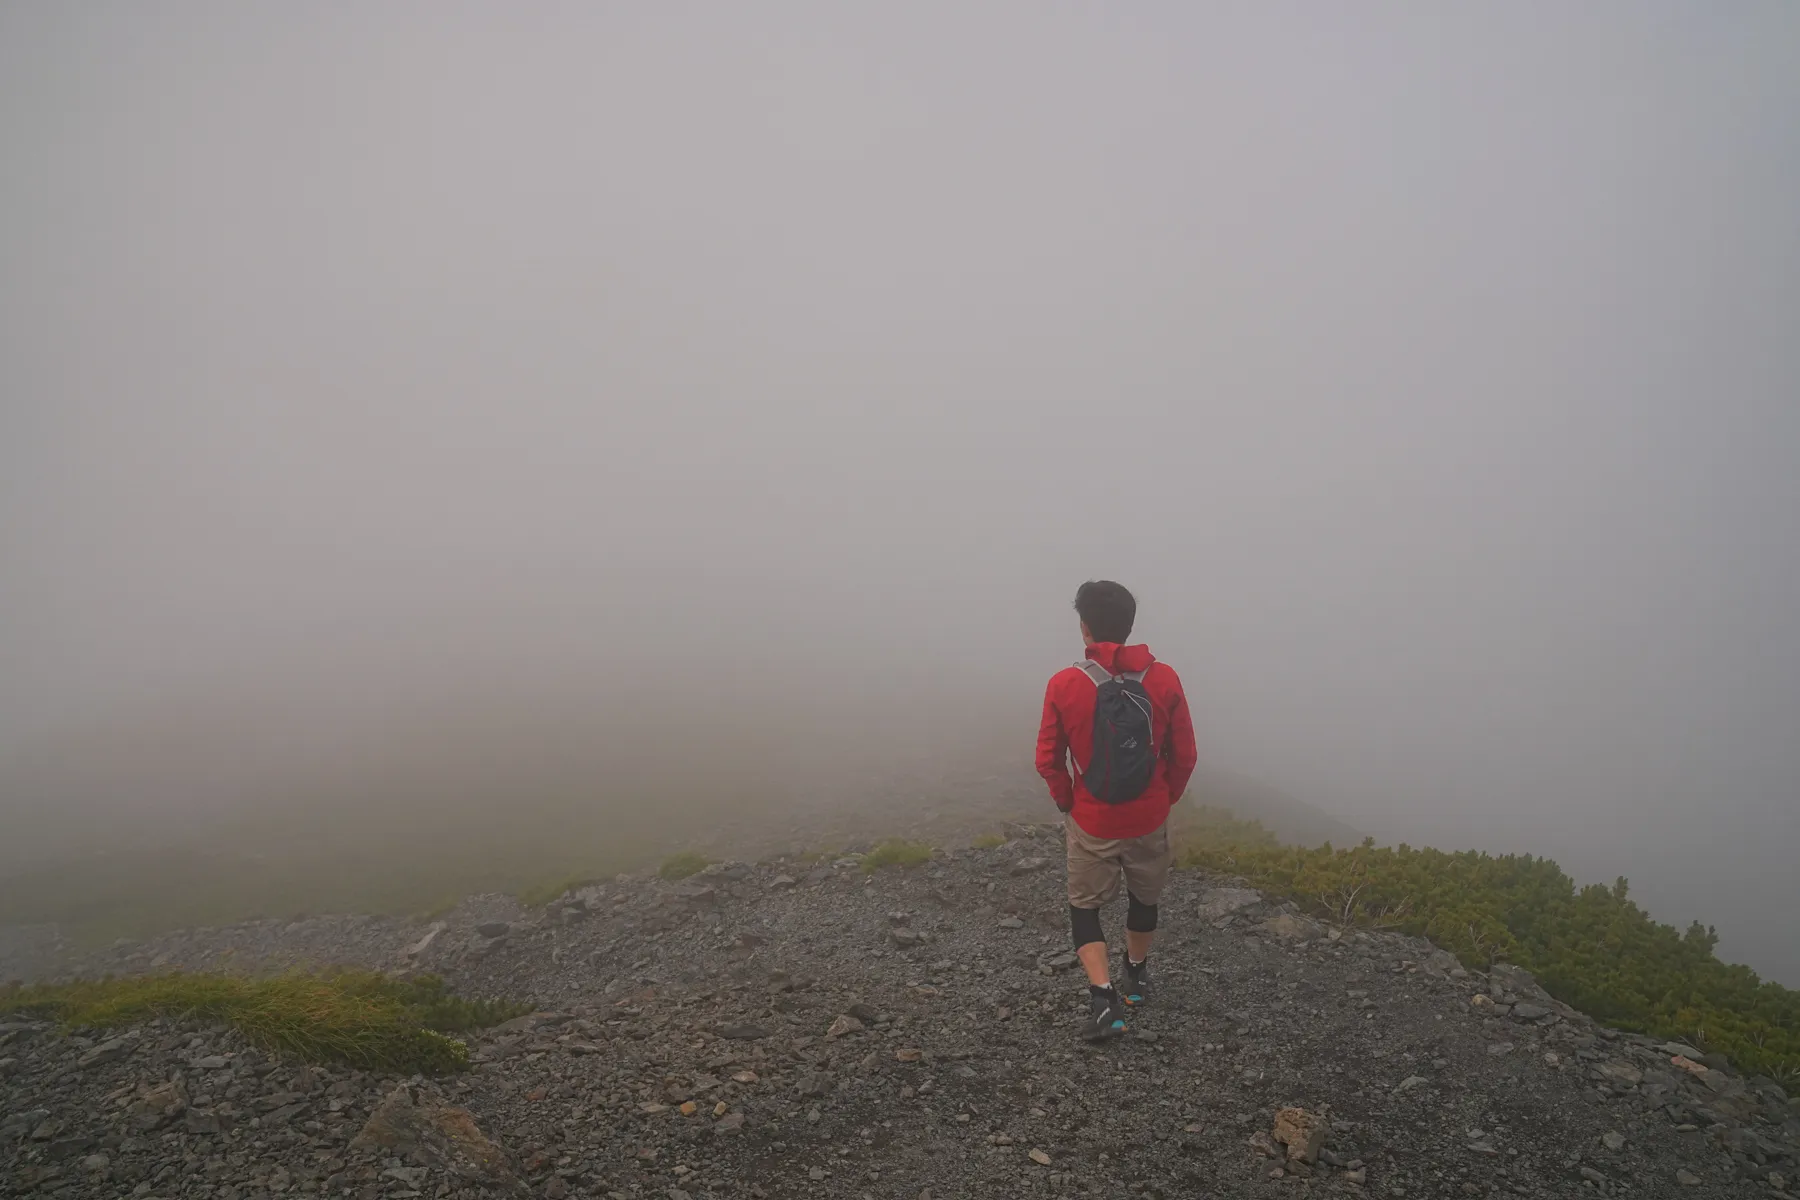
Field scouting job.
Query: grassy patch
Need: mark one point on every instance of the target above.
(896, 853)
(680, 866)
(360, 1018)
(988, 841)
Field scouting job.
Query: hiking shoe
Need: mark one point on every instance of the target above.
(1105, 1018)
(1136, 987)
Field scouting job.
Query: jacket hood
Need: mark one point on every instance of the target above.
(1120, 659)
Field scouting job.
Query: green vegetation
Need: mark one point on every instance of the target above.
(1590, 947)
(896, 853)
(360, 1018)
(988, 841)
(680, 866)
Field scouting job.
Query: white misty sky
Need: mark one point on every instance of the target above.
(1430, 372)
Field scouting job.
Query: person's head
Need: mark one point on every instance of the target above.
(1107, 611)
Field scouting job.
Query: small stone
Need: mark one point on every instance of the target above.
(689, 1108)
(729, 1124)
(96, 1162)
(743, 1033)
(1357, 1175)
(817, 1174)
(212, 1062)
(744, 1077)
(1038, 1156)
(493, 929)
(908, 1054)
(1530, 1012)
(845, 1024)
(1593, 1176)
(1408, 1084)
(906, 939)
(1011, 923)
(1613, 1141)
(1026, 866)
(782, 883)
(1500, 1048)
(1687, 1178)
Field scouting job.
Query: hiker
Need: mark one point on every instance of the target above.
(1116, 746)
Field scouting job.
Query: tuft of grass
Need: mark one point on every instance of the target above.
(896, 853)
(988, 841)
(359, 1018)
(680, 866)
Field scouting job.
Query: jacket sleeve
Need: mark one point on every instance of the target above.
(1182, 754)
(1053, 752)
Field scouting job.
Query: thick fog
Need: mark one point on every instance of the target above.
(617, 401)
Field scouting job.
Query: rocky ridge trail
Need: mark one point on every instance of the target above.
(808, 1030)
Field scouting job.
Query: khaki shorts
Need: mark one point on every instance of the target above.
(1096, 865)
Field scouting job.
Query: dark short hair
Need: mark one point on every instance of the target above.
(1107, 610)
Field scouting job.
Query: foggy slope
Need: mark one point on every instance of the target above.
(428, 432)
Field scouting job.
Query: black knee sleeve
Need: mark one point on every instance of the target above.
(1140, 917)
(1085, 922)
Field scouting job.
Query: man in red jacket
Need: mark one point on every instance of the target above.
(1090, 740)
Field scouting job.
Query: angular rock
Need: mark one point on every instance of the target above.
(424, 943)
(1303, 1133)
(1619, 1074)
(1216, 903)
(156, 1107)
(843, 1025)
(494, 929)
(108, 1051)
(1291, 927)
(1026, 866)
(437, 1136)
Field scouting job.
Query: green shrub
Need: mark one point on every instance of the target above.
(359, 1018)
(896, 853)
(1591, 947)
(680, 866)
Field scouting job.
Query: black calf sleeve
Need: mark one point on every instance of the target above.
(1085, 922)
(1140, 917)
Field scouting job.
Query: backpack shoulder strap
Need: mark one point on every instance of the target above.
(1137, 676)
(1093, 671)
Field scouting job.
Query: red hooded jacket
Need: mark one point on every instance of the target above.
(1068, 728)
